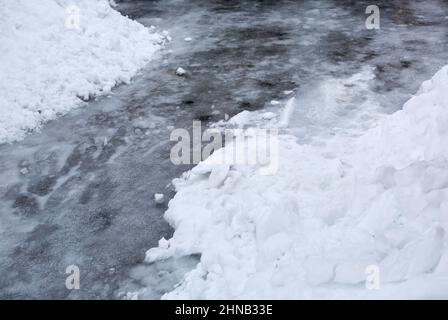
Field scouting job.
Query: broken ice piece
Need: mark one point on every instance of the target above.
(159, 198)
(188, 39)
(288, 92)
(24, 171)
(275, 102)
(181, 72)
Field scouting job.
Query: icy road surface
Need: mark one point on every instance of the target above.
(81, 192)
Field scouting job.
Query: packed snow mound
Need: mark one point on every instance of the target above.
(332, 216)
(56, 54)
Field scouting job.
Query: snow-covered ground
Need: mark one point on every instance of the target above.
(56, 54)
(337, 212)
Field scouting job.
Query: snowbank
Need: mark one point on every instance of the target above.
(331, 217)
(55, 54)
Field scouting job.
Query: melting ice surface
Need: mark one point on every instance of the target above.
(81, 191)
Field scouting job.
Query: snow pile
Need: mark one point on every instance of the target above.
(332, 214)
(56, 54)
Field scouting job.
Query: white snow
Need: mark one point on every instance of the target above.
(159, 198)
(332, 213)
(56, 54)
(241, 119)
(287, 112)
(181, 72)
(218, 175)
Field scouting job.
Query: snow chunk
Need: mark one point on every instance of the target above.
(218, 175)
(181, 72)
(159, 198)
